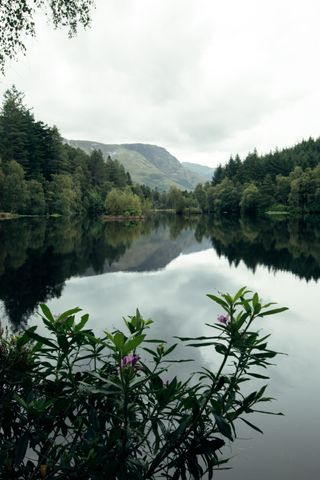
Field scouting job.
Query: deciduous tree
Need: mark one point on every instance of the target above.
(17, 19)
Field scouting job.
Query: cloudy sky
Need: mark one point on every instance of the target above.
(203, 78)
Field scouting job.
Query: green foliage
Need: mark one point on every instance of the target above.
(124, 202)
(78, 406)
(201, 197)
(36, 197)
(250, 199)
(49, 176)
(176, 200)
(290, 177)
(15, 194)
(62, 198)
(17, 21)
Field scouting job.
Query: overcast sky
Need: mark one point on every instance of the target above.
(203, 78)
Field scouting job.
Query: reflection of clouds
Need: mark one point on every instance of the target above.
(175, 299)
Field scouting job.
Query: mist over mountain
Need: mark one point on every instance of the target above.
(147, 164)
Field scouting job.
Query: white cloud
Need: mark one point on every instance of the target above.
(203, 78)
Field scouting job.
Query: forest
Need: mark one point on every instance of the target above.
(280, 181)
(40, 174)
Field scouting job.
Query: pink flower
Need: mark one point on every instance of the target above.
(130, 361)
(223, 318)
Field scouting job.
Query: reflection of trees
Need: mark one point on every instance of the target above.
(36, 257)
(289, 245)
(178, 223)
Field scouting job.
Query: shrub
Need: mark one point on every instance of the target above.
(123, 202)
(77, 406)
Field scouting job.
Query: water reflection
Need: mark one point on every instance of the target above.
(165, 267)
(286, 245)
(38, 256)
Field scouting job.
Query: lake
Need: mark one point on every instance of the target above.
(165, 267)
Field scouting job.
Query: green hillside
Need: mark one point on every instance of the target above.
(147, 164)
(202, 170)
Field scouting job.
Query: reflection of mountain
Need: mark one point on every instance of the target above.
(153, 252)
(38, 256)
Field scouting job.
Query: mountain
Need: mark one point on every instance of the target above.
(147, 164)
(203, 171)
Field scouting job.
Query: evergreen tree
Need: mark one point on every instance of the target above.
(15, 127)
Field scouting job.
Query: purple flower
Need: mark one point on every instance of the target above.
(223, 318)
(130, 361)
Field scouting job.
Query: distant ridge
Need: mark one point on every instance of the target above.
(202, 170)
(147, 164)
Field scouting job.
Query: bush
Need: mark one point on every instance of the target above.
(123, 202)
(77, 406)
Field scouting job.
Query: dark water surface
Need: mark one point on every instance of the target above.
(165, 267)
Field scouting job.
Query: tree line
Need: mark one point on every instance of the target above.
(286, 180)
(40, 174)
(281, 181)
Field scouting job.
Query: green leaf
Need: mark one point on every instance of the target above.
(219, 301)
(188, 339)
(63, 343)
(46, 312)
(266, 354)
(170, 349)
(68, 313)
(261, 392)
(81, 324)
(152, 352)
(21, 401)
(266, 412)
(179, 361)
(228, 298)
(39, 338)
(223, 426)
(240, 293)
(251, 425)
(21, 448)
(155, 340)
(242, 317)
(246, 306)
(132, 344)
(273, 312)
(250, 399)
(119, 340)
(255, 299)
(222, 349)
(257, 375)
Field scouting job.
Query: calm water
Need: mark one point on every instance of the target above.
(165, 267)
